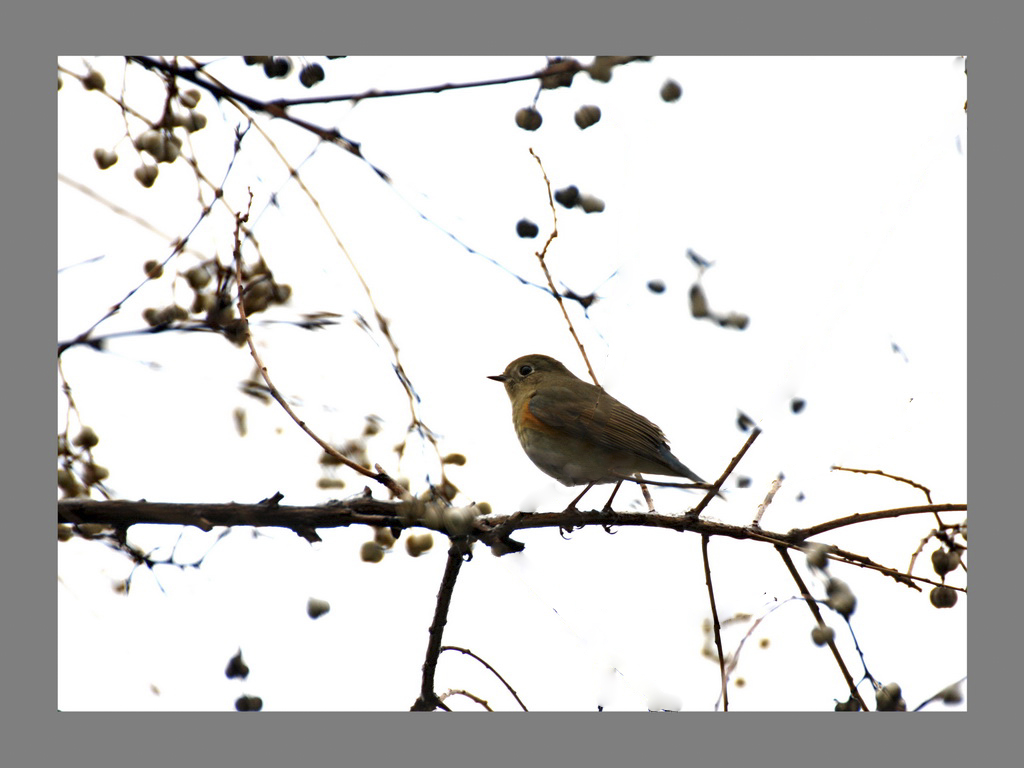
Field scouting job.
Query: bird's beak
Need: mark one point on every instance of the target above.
(500, 377)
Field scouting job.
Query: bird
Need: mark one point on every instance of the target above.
(578, 434)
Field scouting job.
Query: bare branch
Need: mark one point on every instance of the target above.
(492, 669)
(462, 692)
(428, 700)
(373, 93)
(714, 616)
(380, 476)
(206, 81)
(360, 510)
(882, 514)
(784, 553)
(728, 471)
(927, 492)
(493, 530)
(769, 497)
(551, 283)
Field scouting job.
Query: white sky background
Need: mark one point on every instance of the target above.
(831, 195)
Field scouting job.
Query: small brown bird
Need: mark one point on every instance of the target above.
(578, 433)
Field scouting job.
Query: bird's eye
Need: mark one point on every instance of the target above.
(525, 370)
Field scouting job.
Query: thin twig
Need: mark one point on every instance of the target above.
(375, 94)
(734, 659)
(941, 695)
(769, 497)
(115, 208)
(881, 514)
(463, 692)
(852, 558)
(920, 549)
(382, 322)
(68, 455)
(713, 491)
(714, 615)
(177, 247)
(643, 489)
(380, 476)
(945, 535)
(100, 341)
(492, 669)
(784, 553)
(221, 91)
(547, 274)
(927, 493)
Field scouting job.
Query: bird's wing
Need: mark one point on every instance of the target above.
(600, 418)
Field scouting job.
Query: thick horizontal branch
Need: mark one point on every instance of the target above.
(362, 510)
(365, 510)
(494, 530)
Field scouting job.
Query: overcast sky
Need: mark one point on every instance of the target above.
(830, 196)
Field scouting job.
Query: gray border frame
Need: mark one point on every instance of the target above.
(35, 734)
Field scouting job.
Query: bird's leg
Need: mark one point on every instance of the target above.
(564, 529)
(608, 504)
(572, 504)
(608, 507)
